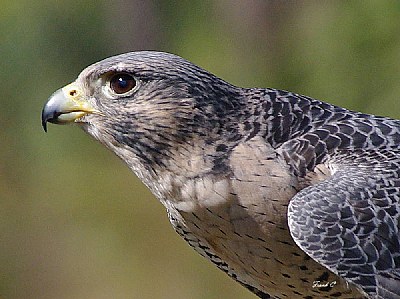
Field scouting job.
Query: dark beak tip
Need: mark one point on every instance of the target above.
(44, 125)
(45, 117)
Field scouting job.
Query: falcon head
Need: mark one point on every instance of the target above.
(146, 105)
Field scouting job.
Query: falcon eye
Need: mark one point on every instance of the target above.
(122, 83)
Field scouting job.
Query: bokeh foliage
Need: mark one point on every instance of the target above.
(74, 222)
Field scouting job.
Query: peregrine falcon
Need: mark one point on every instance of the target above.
(290, 196)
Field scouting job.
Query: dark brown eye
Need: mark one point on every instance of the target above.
(122, 83)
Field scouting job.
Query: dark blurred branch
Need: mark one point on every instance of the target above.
(133, 25)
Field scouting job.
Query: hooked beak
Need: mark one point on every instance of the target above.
(66, 105)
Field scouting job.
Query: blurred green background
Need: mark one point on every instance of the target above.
(74, 222)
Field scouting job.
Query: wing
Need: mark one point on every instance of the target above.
(350, 222)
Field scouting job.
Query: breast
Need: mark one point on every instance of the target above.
(238, 220)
